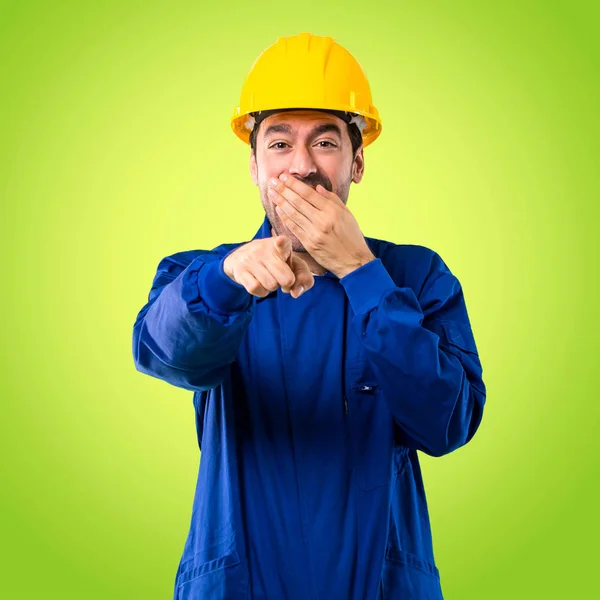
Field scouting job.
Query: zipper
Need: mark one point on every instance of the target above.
(344, 342)
(285, 352)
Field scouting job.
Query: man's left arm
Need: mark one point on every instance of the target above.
(423, 353)
(422, 349)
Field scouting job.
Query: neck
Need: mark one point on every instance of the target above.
(313, 265)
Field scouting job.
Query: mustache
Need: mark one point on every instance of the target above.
(315, 179)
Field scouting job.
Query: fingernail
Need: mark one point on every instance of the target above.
(300, 292)
(283, 177)
(273, 182)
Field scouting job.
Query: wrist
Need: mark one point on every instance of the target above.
(227, 268)
(355, 264)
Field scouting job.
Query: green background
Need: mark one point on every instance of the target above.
(115, 151)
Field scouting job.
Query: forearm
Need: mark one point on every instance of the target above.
(430, 377)
(192, 330)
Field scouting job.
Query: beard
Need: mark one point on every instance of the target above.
(313, 180)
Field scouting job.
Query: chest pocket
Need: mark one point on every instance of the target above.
(371, 428)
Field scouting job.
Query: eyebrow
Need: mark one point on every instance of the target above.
(324, 128)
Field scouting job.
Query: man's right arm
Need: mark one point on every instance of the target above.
(190, 330)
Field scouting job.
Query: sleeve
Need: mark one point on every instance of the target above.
(191, 328)
(422, 351)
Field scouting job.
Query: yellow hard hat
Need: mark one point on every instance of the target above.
(310, 72)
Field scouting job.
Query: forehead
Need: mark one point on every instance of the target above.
(302, 119)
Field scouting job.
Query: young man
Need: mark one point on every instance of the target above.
(321, 361)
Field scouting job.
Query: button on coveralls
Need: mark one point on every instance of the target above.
(309, 414)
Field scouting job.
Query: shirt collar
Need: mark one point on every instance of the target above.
(264, 230)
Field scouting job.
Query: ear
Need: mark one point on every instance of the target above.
(358, 166)
(253, 168)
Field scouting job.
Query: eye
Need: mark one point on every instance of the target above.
(277, 144)
(326, 142)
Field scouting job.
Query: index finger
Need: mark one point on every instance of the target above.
(282, 245)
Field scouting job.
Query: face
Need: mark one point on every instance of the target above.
(310, 145)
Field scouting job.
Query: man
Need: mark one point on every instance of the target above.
(321, 361)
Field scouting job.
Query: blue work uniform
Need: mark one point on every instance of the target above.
(309, 414)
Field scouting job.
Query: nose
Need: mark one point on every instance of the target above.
(302, 163)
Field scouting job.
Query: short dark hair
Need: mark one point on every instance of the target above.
(353, 132)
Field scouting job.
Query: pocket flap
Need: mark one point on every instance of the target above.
(459, 335)
(402, 557)
(196, 569)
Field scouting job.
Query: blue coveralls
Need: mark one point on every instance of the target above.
(309, 414)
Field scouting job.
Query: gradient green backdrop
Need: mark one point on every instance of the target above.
(116, 151)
